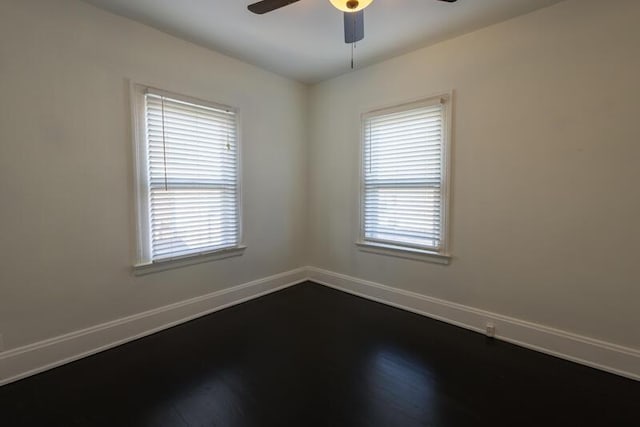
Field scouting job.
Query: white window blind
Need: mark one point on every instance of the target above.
(192, 165)
(403, 176)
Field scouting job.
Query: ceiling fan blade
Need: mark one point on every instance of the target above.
(450, 1)
(353, 26)
(265, 6)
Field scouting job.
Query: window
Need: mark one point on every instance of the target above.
(404, 179)
(188, 190)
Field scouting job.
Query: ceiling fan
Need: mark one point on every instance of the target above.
(353, 14)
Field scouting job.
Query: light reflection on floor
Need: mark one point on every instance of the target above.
(398, 380)
(216, 401)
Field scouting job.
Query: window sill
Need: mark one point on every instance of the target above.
(403, 252)
(169, 264)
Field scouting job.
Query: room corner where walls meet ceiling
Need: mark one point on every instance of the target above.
(305, 40)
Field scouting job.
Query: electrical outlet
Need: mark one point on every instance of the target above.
(490, 330)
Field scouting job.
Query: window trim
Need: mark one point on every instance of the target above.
(143, 263)
(443, 256)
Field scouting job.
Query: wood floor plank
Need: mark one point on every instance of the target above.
(314, 356)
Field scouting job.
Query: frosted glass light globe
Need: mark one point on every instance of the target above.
(350, 5)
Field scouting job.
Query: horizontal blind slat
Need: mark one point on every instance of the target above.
(185, 183)
(187, 105)
(197, 242)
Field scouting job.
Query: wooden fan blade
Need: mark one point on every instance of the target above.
(265, 6)
(353, 26)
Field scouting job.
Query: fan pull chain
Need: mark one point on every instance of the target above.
(353, 45)
(352, 55)
(353, 49)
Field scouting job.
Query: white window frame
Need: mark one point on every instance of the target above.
(143, 263)
(443, 256)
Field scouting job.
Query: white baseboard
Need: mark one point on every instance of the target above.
(31, 359)
(37, 357)
(598, 354)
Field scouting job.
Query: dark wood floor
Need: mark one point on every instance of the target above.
(312, 356)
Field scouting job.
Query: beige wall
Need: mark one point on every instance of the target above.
(546, 205)
(546, 145)
(66, 173)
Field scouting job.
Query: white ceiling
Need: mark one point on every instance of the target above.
(305, 40)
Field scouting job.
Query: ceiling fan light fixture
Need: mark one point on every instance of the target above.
(350, 5)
